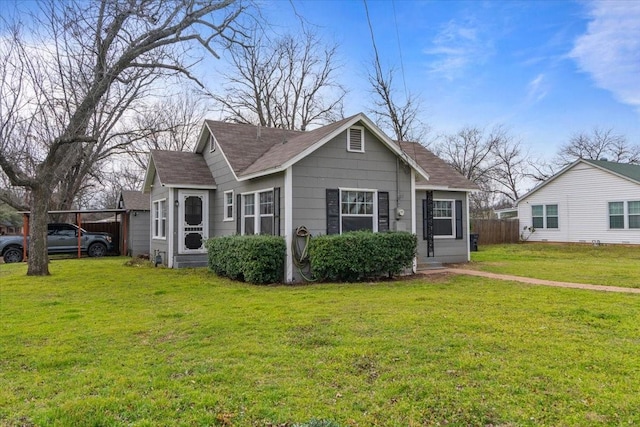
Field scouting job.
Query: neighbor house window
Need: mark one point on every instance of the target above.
(552, 216)
(443, 218)
(544, 216)
(228, 205)
(356, 209)
(160, 219)
(634, 214)
(259, 219)
(617, 214)
(355, 139)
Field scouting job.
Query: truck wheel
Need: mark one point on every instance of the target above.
(97, 250)
(12, 255)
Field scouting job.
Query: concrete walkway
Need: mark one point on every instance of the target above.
(528, 280)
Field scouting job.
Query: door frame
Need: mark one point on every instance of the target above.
(182, 195)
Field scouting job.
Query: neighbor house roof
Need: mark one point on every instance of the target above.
(626, 171)
(135, 200)
(178, 169)
(441, 175)
(253, 151)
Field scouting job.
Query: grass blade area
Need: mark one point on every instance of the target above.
(101, 343)
(608, 265)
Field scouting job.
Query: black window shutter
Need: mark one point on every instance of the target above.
(238, 214)
(333, 211)
(459, 219)
(276, 211)
(383, 211)
(427, 223)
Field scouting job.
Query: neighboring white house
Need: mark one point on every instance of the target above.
(589, 201)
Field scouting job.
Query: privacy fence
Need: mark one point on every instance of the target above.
(494, 231)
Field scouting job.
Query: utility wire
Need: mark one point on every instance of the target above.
(404, 80)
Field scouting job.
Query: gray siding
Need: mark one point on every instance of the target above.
(159, 192)
(447, 250)
(333, 167)
(138, 236)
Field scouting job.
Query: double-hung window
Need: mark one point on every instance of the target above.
(228, 205)
(357, 210)
(616, 215)
(619, 210)
(544, 216)
(443, 218)
(258, 213)
(634, 214)
(160, 219)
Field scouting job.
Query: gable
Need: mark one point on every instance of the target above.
(590, 168)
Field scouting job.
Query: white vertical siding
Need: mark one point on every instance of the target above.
(582, 194)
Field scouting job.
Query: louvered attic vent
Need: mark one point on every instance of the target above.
(355, 139)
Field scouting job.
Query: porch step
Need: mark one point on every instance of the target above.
(190, 261)
(430, 265)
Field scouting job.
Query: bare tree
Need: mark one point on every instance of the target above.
(402, 118)
(597, 145)
(86, 64)
(168, 124)
(511, 165)
(289, 82)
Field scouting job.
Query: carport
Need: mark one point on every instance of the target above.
(122, 243)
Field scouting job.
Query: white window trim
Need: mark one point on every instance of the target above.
(256, 209)
(625, 215)
(545, 216)
(361, 128)
(453, 219)
(156, 218)
(375, 206)
(213, 143)
(226, 206)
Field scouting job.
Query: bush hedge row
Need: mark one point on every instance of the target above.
(254, 259)
(361, 255)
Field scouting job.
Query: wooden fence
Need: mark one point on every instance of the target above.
(493, 231)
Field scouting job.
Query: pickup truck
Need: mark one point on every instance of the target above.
(61, 238)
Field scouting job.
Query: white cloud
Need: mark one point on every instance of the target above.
(537, 88)
(610, 49)
(456, 47)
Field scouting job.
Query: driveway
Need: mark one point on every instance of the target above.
(469, 272)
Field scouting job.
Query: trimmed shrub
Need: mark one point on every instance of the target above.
(254, 259)
(361, 255)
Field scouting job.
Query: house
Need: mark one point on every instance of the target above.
(344, 176)
(135, 224)
(589, 201)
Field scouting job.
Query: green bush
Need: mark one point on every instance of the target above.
(361, 255)
(254, 259)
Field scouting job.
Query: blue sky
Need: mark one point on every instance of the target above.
(544, 69)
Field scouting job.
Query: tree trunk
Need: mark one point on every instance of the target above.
(38, 255)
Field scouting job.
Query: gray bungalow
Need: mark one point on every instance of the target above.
(345, 176)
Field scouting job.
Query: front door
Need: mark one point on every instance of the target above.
(193, 221)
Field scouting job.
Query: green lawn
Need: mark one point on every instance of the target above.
(99, 343)
(609, 265)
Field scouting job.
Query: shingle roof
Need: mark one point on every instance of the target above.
(135, 200)
(441, 174)
(250, 149)
(184, 169)
(625, 169)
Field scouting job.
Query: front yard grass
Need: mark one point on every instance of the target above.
(609, 265)
(100, 343)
